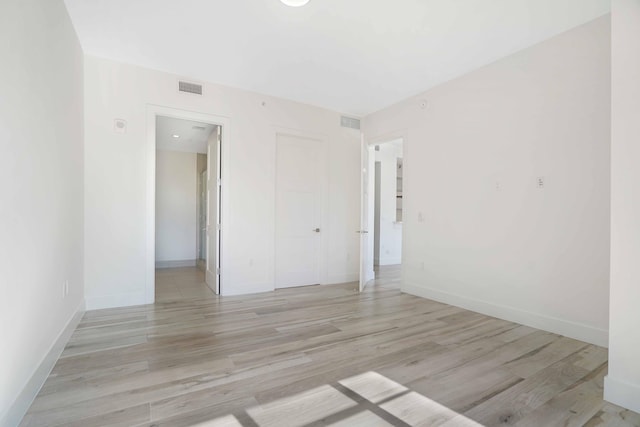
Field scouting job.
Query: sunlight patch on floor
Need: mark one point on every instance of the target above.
(367, 400)
(302, 408)
(226, 421)
(373, 386)
(420, 411)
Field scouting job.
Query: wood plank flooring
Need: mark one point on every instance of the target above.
(317, 356)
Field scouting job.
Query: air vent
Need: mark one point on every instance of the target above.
(190, 88)
(349, 122)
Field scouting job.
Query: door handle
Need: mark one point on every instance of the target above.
(317, 230)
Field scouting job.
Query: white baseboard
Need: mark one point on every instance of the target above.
(117, 300)
(20, 406)
(246, 288)
(390, 261)
(258, 288)
(176, 263)
(622, 393)
(342, 278)
(535, 320)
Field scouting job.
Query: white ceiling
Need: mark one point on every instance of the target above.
(192, 138)
(352, 56)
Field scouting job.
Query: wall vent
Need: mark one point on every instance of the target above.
(349, 122)
(190, 87)
(200, 128)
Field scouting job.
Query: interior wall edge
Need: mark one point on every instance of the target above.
(622, 393)
(342, 278)
(115, 300)
(176, 263)
(555, 325)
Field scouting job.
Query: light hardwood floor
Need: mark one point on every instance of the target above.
(387, 276)
(315, 356)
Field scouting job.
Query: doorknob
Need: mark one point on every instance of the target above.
(362, 231)
(317, 230)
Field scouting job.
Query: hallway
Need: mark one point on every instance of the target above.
(184, 283)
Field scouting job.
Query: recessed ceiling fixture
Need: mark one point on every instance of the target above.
(175, 136)
(295, 3)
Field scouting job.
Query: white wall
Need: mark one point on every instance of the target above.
(176, 206)
(490, 240)
(115, 180)
(390, 229)
(41, 137)
(622, 385)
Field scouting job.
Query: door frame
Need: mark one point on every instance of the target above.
(324, 197)
(153, 111)
(202, 244)
(370, 142)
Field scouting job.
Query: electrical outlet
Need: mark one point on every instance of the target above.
(540, 181)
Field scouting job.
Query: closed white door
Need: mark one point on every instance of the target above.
(298, 211)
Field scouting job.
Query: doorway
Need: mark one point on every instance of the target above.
(298, 211)
(382, 206)
(185, 207)
(388, 209)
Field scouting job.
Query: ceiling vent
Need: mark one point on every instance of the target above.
(190, 87)
(349, 122)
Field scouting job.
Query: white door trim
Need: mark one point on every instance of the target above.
(152, 112)
(324, 197)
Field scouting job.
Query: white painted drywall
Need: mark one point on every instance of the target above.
(41, 213)
(115, 181)
(479, 233)
(176, 206)
(622, 385)
(390, 230)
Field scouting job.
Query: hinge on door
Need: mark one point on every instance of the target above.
(218, 271)
(218, 227)
(219, 181)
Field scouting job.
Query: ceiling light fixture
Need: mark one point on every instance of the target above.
(175, 136)
(295, 3)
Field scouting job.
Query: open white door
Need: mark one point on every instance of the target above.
(212, 276)
(366, 214)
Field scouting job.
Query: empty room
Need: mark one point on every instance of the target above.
(320, 213)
